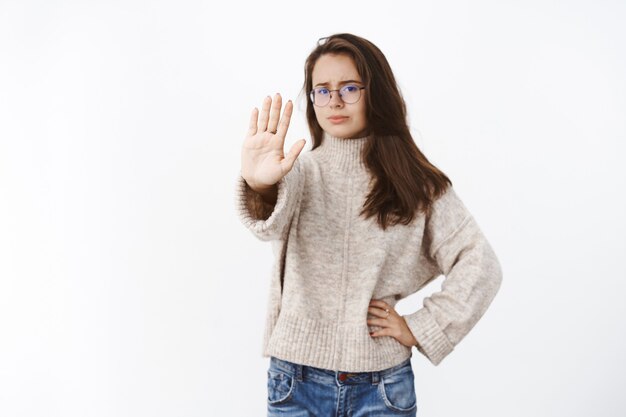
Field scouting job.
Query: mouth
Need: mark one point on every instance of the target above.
(337, 119)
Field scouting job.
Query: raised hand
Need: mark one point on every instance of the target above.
(263, 162)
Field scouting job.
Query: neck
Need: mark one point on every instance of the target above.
(343, 154)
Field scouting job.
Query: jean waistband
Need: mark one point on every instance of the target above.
(340, 377)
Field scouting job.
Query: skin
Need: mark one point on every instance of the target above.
(392, 324)
(333, 69)
(264, 163)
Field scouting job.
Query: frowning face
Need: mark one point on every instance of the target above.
(331, 73)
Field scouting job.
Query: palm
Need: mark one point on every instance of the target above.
(263, 162)
(263, 154)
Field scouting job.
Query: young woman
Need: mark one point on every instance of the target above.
(357, 223)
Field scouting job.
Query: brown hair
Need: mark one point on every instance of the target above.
(404, 181)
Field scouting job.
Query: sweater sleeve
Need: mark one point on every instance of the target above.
(267, 221)
(473, 276)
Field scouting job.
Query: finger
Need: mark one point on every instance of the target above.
(275, 113)
(290, 158)
(378, 322)
(378, 303)
(252, 125)
(265, 114)
(378, 312)
(284, 121)
(382, 332)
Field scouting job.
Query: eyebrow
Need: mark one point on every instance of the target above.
(340, 82)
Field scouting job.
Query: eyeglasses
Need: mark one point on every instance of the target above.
(349, 94)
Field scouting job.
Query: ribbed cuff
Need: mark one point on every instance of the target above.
(432, 342)
(257, 215)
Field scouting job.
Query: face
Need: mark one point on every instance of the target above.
(333, 72)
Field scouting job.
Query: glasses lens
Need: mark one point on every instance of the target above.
(350, 93)
(321, 96)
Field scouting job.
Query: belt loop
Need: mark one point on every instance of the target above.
(299, 372)
(375, 377)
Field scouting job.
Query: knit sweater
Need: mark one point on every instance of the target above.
(330, 262)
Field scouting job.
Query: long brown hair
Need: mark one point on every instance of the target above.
(404, 181)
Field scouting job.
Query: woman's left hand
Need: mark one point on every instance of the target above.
(391, 322)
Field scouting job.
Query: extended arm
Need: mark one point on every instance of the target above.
(266, 207)
(265, 220)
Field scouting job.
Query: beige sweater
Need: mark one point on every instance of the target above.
(329, 263)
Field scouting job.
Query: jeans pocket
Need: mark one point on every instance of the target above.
(279, 386)
(398, 390)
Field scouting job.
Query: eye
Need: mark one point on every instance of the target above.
(350, 88)
(321, 91)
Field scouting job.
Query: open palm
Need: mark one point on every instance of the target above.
(263, 162)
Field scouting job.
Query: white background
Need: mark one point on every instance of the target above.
(128, 286)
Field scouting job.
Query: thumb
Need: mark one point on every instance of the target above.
(295, 150)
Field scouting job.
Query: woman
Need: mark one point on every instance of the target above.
(358, 223)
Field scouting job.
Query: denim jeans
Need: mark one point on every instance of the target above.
(300, 390)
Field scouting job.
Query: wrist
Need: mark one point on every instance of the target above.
(269, 193)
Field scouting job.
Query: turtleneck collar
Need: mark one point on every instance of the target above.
(343, 154)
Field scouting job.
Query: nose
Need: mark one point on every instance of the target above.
(335, 99)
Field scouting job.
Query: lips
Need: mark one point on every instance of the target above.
(337, 117)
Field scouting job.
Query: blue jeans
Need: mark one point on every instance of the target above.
(300, 390)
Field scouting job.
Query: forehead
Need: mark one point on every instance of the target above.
(333, 69)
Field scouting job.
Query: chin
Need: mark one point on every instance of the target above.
(343, 131)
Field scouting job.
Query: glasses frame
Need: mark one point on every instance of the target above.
(330, 96)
